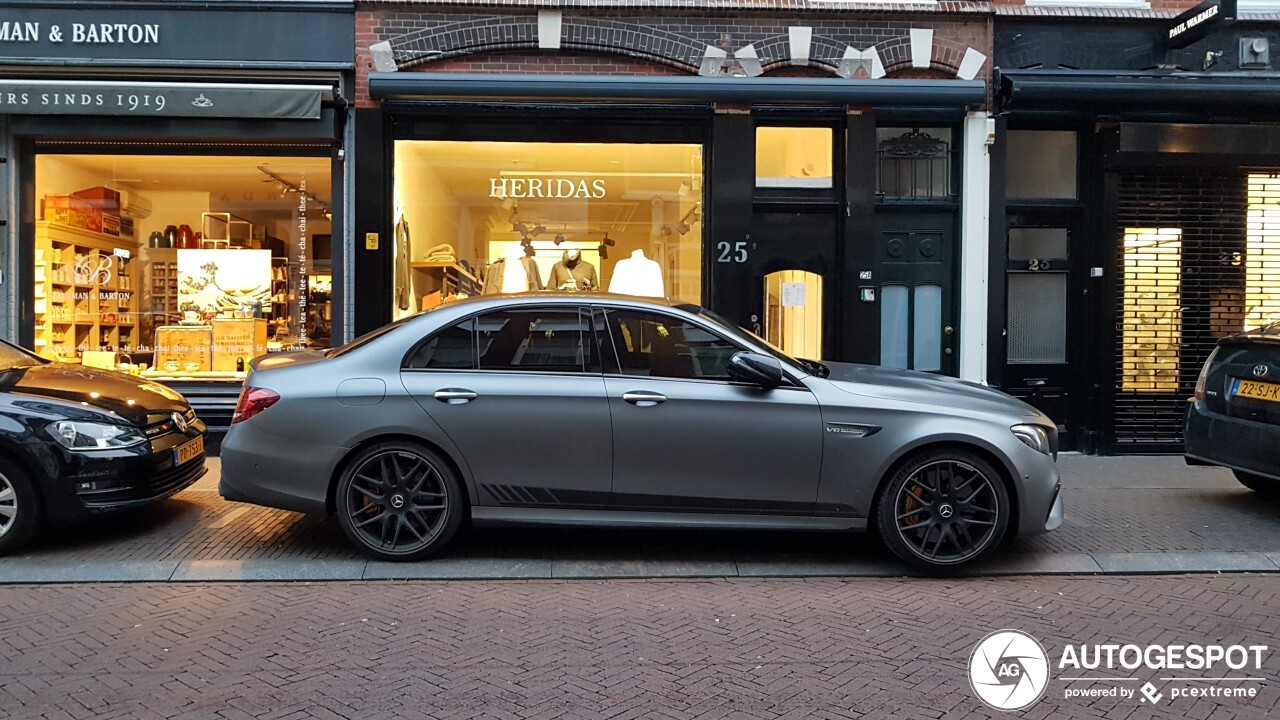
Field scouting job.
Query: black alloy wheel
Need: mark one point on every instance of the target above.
(19, 508)
(943, 510)
(399, 501)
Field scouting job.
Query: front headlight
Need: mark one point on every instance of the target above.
(1034, 437)
(77, 435)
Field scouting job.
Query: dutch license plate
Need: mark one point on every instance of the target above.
(1256, 390)
(188, 451)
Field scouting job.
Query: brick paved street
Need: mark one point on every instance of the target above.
(873, 648)
(1122, 513)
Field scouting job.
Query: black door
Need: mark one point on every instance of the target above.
(917, 311)
(779, 280)
(1039, 287)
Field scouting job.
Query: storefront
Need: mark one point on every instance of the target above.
(812, 182)
(176, 185)
(1138, 211)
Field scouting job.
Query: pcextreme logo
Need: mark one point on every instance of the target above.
(1009, 670)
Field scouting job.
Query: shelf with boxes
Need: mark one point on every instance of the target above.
(85, 298)
(437, 282)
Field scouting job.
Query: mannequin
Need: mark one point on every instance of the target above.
(513, 272)
(573, 273)
(637, 275)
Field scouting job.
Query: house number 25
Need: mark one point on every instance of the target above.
(732, 252)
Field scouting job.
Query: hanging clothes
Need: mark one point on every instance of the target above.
(637, 275)
(403, 291)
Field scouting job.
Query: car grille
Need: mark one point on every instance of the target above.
(163, 427)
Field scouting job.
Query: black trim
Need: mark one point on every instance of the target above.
(1116, 91)
(922, 93)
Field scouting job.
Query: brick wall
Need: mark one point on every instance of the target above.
(631, 42)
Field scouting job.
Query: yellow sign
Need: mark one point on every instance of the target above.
(1258, 390)
(371, 241)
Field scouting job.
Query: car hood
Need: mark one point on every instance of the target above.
(102, 389)
(912, 386)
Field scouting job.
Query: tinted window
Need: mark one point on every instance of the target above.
(451, 348)
(653, 345)
(550, 340)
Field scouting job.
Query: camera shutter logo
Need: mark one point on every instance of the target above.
(1008, 670)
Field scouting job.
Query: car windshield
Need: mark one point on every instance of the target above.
(13, 357)
(808, 367)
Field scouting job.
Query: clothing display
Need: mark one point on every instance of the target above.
(573, 273)
(495, 278)
(403, 291)
(637, 275)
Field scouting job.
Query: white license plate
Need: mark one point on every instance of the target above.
(188, 451)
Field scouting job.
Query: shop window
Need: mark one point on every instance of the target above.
(794, 157)
(650, 345)
(913, 163)
(1040, 165)
(793, 312)
(179, 266)
(542, 340)
(487, 217)
(1151, 318)
(453, 348)
(1262, 253)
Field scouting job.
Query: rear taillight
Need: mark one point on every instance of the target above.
(253, 401)
(1203, 378)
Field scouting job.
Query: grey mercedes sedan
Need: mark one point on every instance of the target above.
(603, 409)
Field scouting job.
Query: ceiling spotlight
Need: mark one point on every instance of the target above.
(609, 241)
(559, 238)
(604, 252)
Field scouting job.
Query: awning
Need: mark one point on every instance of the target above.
(162, 99)
(679, 88)
(1135, 91)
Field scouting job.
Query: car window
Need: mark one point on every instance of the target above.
(656, 345)
(453, 348)
(535, 339)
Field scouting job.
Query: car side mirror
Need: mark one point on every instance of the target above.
(757, 369)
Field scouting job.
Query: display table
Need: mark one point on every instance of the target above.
(236, 341)
(184, 348)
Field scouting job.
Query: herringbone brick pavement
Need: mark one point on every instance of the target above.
(1113, 505)
(617, 650)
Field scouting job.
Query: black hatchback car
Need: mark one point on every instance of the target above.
(1234, 420)
(75, 441)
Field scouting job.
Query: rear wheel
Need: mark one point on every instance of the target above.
(399, 501)
(942, 510)
(19, 508)
(1258, 483)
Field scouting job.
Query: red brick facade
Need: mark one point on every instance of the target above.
(502, 37)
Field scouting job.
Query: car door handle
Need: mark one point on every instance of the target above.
(641, 398)
(455, 396)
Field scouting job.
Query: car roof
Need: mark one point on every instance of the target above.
(555, 296)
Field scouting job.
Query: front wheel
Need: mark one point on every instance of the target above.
(19, 508)
(399, 501)
(1257, 483)
(943, 510)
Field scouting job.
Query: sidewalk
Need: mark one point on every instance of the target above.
(1124, 515)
